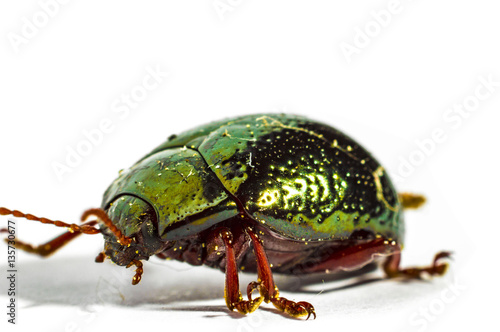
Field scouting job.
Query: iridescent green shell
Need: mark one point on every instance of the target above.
(177, 183)
(302, 179)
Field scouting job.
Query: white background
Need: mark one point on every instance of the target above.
(67, 75)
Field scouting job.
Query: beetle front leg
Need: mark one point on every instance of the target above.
(268, 290)
(392, 269)
(232, 293)
(138, 271)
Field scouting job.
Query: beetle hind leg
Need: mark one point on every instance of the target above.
(268, 290)
(438, 268)
(411, 201)
(294, 309)
(232, 294)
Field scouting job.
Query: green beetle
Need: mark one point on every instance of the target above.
(267, 193)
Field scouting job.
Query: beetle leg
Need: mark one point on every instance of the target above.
(52, 246)
(411, 201)
(232, 293)
(251, 287)
(100, 258)
(392, 269)
(268, 289)
(138, 272)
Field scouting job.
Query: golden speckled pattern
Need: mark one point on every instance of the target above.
(303, 179)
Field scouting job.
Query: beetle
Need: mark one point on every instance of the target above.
(266, 193)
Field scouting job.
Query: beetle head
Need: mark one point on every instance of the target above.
(132, 234)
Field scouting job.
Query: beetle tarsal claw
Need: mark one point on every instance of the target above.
(442, 255)
(251, 287)
(294, 309)
(100, 257)
(138, 272)
(437, 268)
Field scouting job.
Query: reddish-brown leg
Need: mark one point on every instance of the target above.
(138, 272)
(355, 257)
(232, 293)
(100, 257)
(392, 269)
(411, 201)
(268, 289)
(52, 246)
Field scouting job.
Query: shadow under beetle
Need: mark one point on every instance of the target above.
(269, 193)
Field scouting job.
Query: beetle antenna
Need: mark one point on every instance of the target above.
(73, 228)
(48, 248)
(101, 214)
